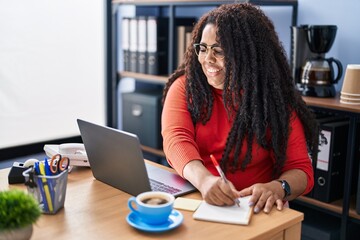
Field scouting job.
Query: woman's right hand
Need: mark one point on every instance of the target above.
(213, 189)
(216, 191)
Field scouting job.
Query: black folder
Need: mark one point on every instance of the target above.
(322, 119)
(331, 160)
(141, 47)
(157, 45)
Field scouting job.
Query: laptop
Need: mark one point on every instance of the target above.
(116, 158)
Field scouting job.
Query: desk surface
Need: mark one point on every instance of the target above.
(94, 210)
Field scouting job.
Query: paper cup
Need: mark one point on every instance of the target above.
(351, 84)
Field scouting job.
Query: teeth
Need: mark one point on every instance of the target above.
(212, 70)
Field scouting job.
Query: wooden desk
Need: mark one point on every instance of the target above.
(94, 210)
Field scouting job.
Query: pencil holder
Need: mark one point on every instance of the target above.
(50, 191)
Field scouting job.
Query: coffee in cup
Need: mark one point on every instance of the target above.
(152, 207)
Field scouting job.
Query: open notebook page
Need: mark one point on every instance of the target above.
(225, 214)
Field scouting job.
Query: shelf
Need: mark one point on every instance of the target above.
(155, 151)
(331, 103)
(335, 206)
(204, 2)
(144, 77)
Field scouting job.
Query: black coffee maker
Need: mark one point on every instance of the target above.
(318, 75)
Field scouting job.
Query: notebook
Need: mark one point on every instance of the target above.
(116, 159)
(225, 214)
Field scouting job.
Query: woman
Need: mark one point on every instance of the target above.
(234, 98)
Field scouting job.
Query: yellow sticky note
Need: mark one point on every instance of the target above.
(186, 204)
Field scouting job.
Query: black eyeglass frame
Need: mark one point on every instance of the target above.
(209, 47)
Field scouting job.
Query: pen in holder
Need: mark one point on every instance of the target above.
(50, 191)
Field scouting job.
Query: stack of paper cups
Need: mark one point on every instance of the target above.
(350, 92)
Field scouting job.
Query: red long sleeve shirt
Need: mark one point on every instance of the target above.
(184, 142)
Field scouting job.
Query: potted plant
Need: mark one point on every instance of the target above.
(18, 212)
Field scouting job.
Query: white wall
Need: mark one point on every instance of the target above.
(52, 68)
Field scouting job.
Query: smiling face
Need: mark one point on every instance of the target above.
(214, 68)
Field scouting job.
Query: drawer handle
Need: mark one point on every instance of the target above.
(136, 110)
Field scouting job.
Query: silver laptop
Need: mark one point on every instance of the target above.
(116, 159)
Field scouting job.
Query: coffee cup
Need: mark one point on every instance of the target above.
(152, 207)
(351, 84)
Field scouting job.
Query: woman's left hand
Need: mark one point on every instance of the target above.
(265, 196)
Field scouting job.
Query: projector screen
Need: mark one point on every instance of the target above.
(52, 68)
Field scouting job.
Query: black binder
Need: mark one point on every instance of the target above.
(322, 119)
(157, 45)
(141, 47)
(331, 160)
(356, 171)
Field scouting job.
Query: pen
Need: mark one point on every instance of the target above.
(41, 187)
(222, 175)
(46, 187)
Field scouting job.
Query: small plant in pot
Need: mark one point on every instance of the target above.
(18, 212)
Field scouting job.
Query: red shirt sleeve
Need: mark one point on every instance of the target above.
(178, 129)
(297, 154)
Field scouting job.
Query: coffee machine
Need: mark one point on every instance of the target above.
(317, 75)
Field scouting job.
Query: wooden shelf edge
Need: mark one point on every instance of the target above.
(155, 151)
(144, 77)
(335, 206)
(331, 103)
(208, 2)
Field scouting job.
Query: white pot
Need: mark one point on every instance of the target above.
(17, 234)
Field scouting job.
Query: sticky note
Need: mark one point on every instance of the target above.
(186, 204)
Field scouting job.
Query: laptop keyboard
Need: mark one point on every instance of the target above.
(161, 187)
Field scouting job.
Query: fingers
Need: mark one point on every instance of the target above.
(263, 198)
(220, 194)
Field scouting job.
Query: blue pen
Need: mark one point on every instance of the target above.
(46, 187)
(49, 181)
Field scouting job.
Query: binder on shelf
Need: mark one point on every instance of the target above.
(184, 27)
(356, 172)
(142, 53)
(182, 40)
(157, 45)
(125, 42)
(331, 160)
(322, 119)
(133, 51)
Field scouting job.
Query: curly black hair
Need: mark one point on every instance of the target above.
(259, 89)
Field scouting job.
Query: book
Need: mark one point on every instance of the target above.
(225, 214)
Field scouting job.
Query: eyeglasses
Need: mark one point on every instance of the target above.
(202, 50)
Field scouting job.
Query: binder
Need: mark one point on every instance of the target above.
(125, 41)
(322, 119)
(331, 160)
(141, 48)
(133, 44)
(356, 171)
(184, 27)
(183, 39)
(157, 45)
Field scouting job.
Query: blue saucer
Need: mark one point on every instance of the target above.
(175, 219)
